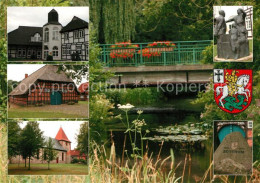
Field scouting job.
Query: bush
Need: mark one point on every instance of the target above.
(82, 161)
(136, 96)
(33, 57)
(74, 160)
(71, 103)
(49, 58)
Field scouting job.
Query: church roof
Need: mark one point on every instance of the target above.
(46, 73)
(22, 36)
(74, 24)
(83, 87)
(56, 144)
(61, 135)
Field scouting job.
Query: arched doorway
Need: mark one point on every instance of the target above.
(56, 98)
(224, 131)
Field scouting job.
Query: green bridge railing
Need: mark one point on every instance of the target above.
(184, 52)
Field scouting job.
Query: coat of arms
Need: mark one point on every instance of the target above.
(232, 89)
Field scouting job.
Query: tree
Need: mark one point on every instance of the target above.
(14, 131)
(31, 140)
(82, 138)
(49, 153)
(115, 20)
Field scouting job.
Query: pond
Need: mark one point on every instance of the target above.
(160, 120)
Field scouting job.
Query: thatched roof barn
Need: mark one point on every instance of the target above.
(45, 86)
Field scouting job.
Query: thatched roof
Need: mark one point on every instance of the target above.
(22, 36)
(46, 73)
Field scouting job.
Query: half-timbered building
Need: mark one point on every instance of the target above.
(25, 43)
(74, 39)
(45, 86)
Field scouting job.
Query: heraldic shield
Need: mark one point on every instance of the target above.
(232, 89)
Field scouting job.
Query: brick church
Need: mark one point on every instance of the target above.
(62, 145)
(61, 42)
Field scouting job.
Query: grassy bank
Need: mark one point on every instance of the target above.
(42, 169)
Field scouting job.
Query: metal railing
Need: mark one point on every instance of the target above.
(184, 52)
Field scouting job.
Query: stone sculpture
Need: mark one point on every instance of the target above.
(235, 44)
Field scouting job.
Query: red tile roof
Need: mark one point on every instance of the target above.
(83, 87)
(75, 153)
(61, 135)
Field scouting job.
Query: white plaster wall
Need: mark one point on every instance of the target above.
(51, 42)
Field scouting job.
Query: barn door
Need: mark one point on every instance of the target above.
(229, 129)
(56, 98)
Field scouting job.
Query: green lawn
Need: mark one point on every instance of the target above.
(79, 110)
(42, 169)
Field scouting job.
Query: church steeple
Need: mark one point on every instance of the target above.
(53, 17)
(61, 135)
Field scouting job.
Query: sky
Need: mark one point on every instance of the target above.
(38, 16)
(229, 10)
(51, 128)
(17, 72)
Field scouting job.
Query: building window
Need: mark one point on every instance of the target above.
(46, 51)
(19, 52)
(29, 53)
(36, 38)
(81, 34)
(78, 48)
(46, 35)
(76, 34)
(62, 157)
(66, 35)
(55, 51)
(55, 33)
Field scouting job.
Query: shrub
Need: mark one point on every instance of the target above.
(74, 160)
(71, 103)
(49, 58)
(82, 161)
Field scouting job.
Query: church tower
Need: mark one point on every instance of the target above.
(63, 139)
(66, 144)
(51, 36)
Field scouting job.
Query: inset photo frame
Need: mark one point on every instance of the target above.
(233, 33)
(48, 34)
(233, 147)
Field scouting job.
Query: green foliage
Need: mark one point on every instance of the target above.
(82, 138)
(74, 160)
(136, 96)
(207, 55)
(115, 20)
(31, 140)
(49, 153)
(174, 20)
(14, 131)
(100, 113)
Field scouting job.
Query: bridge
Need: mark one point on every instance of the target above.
(150, 64)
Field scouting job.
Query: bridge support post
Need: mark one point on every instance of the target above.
(179, 53)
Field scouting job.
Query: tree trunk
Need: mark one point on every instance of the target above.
(29, 163)
(24, 162)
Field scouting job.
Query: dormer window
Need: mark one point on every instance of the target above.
(36, 38)
(55, 33)
(46, 35)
